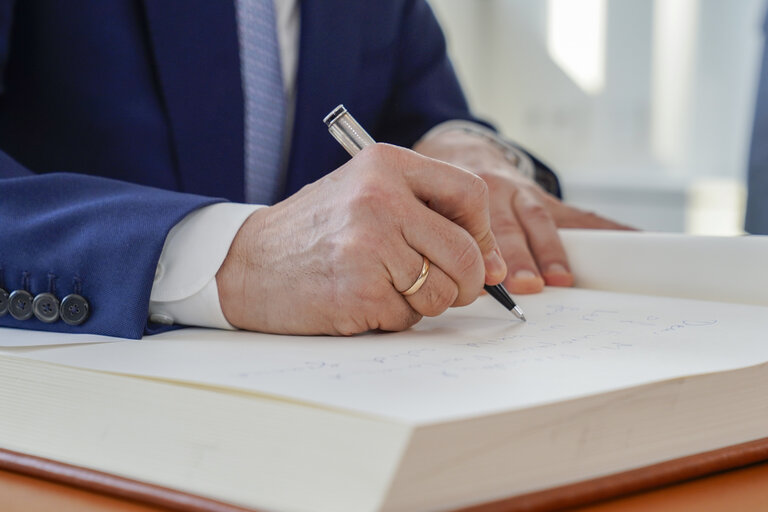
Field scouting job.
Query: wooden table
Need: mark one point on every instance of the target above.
(744, 489)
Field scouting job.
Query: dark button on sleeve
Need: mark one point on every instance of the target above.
(46, 307)
(20, 304)
(3, 302)
(74, 309)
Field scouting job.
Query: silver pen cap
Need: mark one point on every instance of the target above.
(347, 131)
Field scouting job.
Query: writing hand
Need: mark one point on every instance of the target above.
(334, 257)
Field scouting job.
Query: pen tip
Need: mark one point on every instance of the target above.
(519, 313)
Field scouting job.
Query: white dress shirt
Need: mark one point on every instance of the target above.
(184, 291)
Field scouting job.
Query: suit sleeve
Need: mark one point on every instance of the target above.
(63, 234)
(427, 91)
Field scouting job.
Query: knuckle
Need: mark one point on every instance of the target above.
(476, 192)
(380, 157)
(361, 293)
(349, 247)
(466, 298)
(438, 299)
(379, 150)
(373, 152)
(371, 297)
(507, 225)
(486, 241)
(375, 198)
(369, 195)
(469, 260)
(347, 326)
(400, 320)
(535, 211)
(359, 310)
(494, 181)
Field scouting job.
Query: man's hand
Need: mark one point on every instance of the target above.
(334, 257)
(524, 217)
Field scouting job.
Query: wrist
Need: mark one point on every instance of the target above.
(465, 140)
(184, 289)
(240, 271)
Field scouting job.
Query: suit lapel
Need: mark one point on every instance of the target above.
(196, 52)
(329, 53)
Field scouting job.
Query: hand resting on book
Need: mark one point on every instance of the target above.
(524, 217)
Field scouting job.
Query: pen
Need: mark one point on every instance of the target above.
(354, 138)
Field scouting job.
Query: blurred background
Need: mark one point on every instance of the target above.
(644, 107)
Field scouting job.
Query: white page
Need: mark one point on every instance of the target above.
(469, 361)
(723, 269)
(24, 338)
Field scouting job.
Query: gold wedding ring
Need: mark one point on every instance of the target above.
(419, 280)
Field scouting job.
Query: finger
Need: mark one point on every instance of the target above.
(448, 246)
(523, 276)
(436, 294)
(462, 198)
(544, 242)
(396, 313)
(570, 217)
(373, 305)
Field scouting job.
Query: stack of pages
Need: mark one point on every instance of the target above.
(661, 352)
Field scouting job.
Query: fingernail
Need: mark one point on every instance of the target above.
(557, 275)
(556, 268)
(495, 266)
(525, 281)
(525, 274)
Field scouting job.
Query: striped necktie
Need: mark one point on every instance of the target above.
(264, 99)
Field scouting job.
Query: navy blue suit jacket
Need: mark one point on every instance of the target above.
(756, 221)
(119, 117)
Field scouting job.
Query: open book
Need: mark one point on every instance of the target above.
(661, 353)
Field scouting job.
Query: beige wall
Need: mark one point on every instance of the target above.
(671, 122)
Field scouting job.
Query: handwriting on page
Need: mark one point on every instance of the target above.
(561, 334)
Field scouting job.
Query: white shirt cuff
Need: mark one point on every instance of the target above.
(184, 291)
